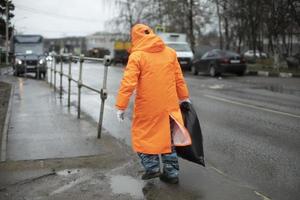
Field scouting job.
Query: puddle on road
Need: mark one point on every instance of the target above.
(127, 185)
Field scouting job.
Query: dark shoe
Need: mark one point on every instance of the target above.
(167, 179)
(150, 175)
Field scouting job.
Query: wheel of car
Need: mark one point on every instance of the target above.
(194, 70)
(212, 71)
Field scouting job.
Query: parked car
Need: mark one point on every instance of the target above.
(216, 62)
(293, 61)
(258, 54)
(64, 58)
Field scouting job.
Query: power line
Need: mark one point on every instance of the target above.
(55, 15)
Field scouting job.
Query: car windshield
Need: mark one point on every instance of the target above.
(28, 39)
(28, 49)
(179, 46)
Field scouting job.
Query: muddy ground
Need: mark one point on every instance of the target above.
(111, 176)
(4, 99)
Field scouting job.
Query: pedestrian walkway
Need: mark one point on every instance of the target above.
(42, 127)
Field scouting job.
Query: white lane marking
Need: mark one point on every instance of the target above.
(216, 86)
(218, 171)
(223, 174)
(261, 195)
(252, 106)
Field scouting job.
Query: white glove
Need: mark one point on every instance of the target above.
(185, 100)
(120, 115)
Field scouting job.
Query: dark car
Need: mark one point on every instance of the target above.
(216, 62)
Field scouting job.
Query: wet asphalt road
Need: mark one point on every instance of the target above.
(250, 126)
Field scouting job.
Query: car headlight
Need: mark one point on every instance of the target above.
(18, 61)
(41, 61)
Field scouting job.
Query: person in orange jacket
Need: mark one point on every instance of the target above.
(157, 126)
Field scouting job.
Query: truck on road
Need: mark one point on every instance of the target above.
(29, 56)
(178, 42)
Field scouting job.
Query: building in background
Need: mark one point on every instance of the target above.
(74, 45)
(105, 43)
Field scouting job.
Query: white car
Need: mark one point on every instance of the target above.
(258, 54)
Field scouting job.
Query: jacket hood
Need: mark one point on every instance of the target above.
(144, 39)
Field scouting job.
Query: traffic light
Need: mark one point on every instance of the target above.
(160, 29)
(10, 6)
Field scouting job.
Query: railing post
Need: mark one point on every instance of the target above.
(38, 69)
(46, 73)
(25, 66)
(51, 70)
(60, 80)
(69, 79)
(103, 94)
(79, 84)
(54, 76)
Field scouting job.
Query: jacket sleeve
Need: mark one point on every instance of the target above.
(181, 87)
(129, 82)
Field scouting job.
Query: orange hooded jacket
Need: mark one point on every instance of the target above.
(154, 72)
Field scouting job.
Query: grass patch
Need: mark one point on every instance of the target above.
(3, 65)
(267, 65)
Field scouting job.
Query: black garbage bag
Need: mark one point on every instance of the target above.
(194, 152)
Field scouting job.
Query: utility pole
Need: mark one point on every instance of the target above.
(6, 32)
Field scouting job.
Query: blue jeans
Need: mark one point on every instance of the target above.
(170, 163)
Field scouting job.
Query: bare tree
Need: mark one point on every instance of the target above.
(132, 12)
(183, 16)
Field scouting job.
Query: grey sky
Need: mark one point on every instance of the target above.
(57, 18)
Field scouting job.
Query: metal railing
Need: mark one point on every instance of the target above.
(102, 91)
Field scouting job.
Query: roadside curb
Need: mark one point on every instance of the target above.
(263, 73)
(6, 125)
(272, 74)
(285, 75)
